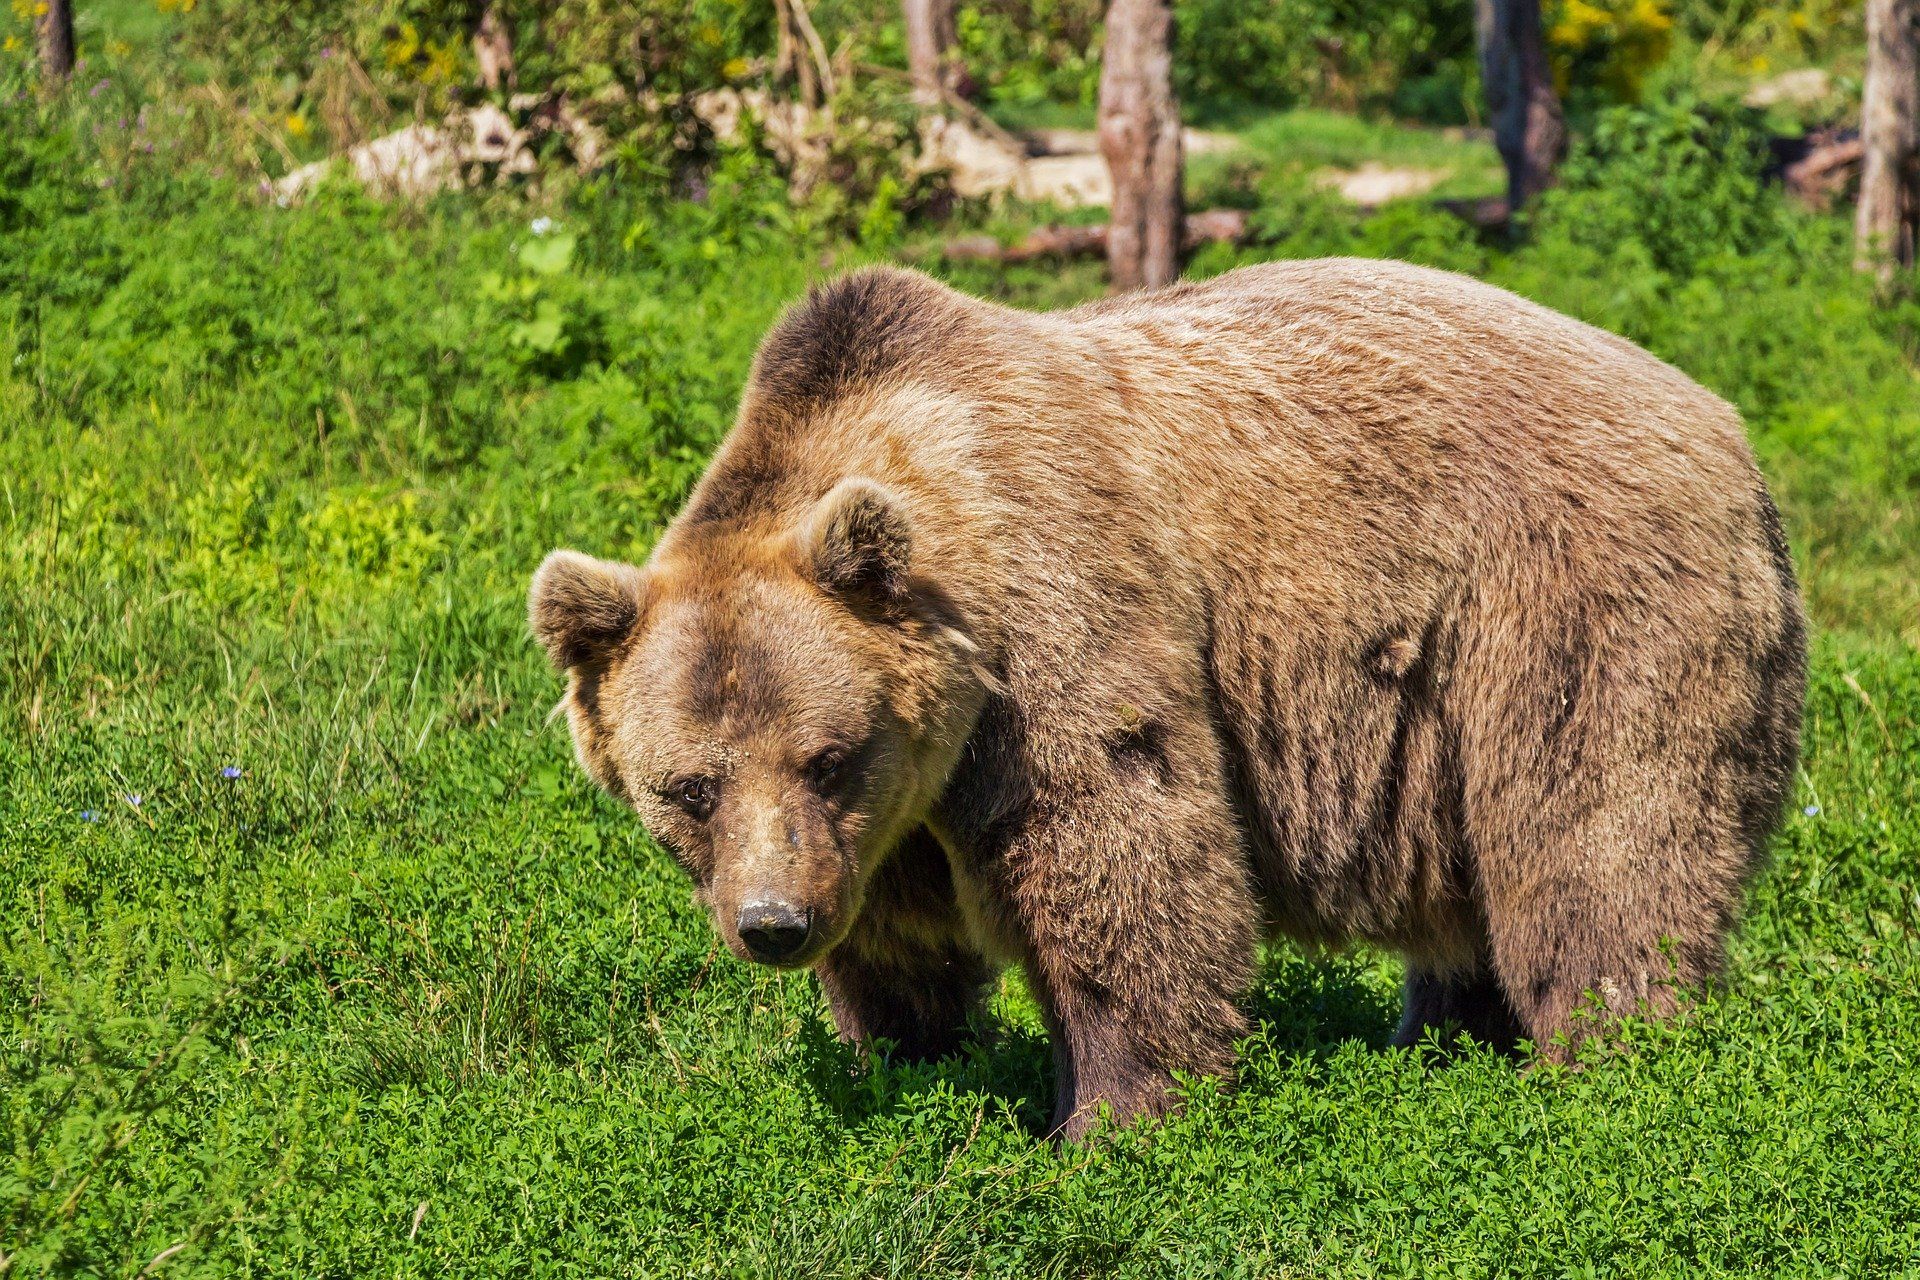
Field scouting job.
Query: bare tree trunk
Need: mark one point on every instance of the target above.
(801, 56)
(493, 48)
(56, 41)
(1140, 138)
(932, 51)
(1527, 124)
(1889, 213)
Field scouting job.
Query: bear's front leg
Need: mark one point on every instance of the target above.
(1116, 1052)
(905, 973)
(1140, 945)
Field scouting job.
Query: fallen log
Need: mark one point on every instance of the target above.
(1210, 226)
(1487, 213)
(1822, 176)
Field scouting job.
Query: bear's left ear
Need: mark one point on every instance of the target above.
(580, 607)
(858, 541)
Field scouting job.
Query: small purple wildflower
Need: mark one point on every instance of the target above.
(326, 51)
(230, 771)
(89, 815)
(1812, 811)
(95, 91)
(133, 798)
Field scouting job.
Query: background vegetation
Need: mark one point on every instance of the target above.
(319, 956)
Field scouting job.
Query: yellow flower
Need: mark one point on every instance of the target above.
(297, 125)
(1613, 43)
(443, 63)
(734, 68)
(12, 42)
(1649, 17)
(1579, 22)
(400, 50)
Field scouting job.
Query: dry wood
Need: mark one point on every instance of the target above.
(1884, 227)
(1140, 138)
(55, 37)
(801, 55)
(933, 51)
(493, 48)
(1820, 176)
(1211, 226)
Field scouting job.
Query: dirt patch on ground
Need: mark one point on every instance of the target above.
(1372, 185)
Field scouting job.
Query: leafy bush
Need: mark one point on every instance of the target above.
(1033, 51)
(1339, 53)
(1763, 35)
(1276, 53)
(1605, 48)
(1679, 181)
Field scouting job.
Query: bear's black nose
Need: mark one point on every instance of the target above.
(773, 930)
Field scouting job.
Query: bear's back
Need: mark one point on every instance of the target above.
(1372, 343)
(1374, 405)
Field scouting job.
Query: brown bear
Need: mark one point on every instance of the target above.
(1339, 600)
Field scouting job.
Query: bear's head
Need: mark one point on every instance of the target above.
(779, 705)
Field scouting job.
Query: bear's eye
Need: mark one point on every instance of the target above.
(695, 795)
(825, 769)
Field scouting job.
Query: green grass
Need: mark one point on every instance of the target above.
(1327, 139)
(1305, 140)
(406, 996)
(141, 24)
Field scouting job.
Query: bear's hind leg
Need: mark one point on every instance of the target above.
(1453, 1003)
(1617, 912)
(905, 973)
(1623, 757)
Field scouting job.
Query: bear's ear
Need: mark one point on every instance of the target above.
(580, 607)
(858, 541)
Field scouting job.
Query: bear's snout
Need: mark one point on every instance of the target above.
(774, 931)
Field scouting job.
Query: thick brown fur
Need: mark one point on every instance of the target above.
(1340, 599)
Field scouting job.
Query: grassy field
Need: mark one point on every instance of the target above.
(319, 957)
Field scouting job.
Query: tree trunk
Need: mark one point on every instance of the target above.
(933, 58)
(801, 56)
(493, 48)
(1527, 124)
(1140, 138)
(55, 33)
(1885, 227)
